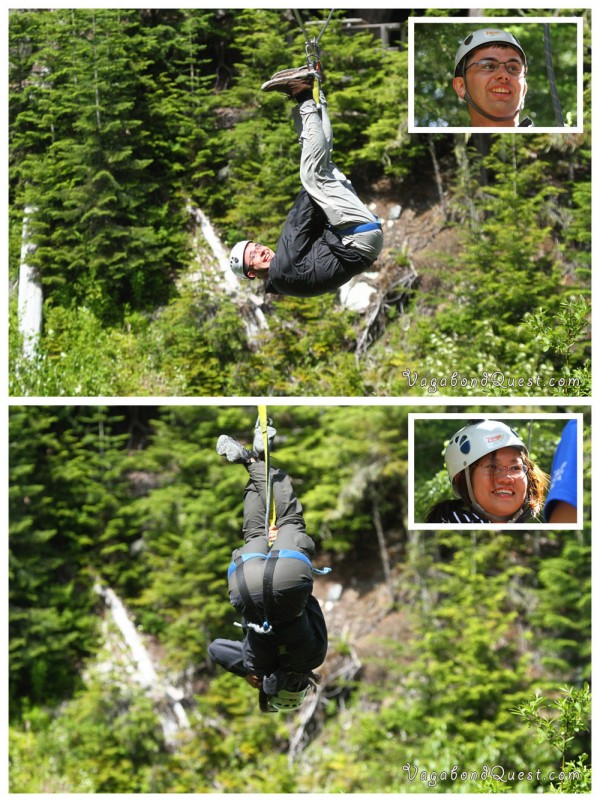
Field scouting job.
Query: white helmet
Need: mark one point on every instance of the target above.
(287, 700)
(482, 37)
(236, 258)
(475, 441)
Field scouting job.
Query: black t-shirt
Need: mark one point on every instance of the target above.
(453, 512)
(310, 258)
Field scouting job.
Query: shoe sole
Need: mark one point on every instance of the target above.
(281, 80)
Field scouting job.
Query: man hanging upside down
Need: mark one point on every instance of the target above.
(329, 235)
(285, 636)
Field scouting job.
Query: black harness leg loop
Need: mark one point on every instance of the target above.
(245, 595)
(268, 600)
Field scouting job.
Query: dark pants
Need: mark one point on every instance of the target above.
(298, 647)
(288, 510)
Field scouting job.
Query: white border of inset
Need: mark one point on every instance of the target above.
(412, 129)
(565, 416)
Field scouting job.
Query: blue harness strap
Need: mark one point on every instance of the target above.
(347, 232)
(291, 553)
(244, 558)
(298, 555)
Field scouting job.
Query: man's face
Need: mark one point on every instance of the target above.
(495, 78)
(256, 260)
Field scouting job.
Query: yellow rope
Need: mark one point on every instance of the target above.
(271, 514)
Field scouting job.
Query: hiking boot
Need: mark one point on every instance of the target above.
(259, 444)
(314, 70)
(292, 82)
(234, 451)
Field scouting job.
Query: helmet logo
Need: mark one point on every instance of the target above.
(494, 438)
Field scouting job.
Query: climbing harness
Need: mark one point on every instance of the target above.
(252, 609)
(358, 229)
(551, 77)
(270, 513)
(313, 51)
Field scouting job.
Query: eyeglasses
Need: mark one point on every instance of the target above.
(252, 255)
(515, 471)
(491, 65)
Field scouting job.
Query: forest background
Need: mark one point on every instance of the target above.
(436, 638)
(125, 122)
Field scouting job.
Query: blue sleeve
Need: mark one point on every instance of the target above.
(563, 481)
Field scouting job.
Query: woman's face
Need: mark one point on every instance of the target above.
(499, 482)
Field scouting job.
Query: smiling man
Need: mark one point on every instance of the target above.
(329, 235)
(490, 71)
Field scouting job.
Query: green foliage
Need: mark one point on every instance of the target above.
(306, 351)
(561, 333)
(192, 346)
(436, 716)
(105, 210)
(65, 485)
(562, 621)
(103, 742)
(558, 723)
(476, 337)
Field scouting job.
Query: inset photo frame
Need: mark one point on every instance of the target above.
(495, 470)
(495, 74)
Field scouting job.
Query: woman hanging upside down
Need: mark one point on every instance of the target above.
(285, 635)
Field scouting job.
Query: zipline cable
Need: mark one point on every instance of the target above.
(312, 49)
(530, 435)
(551, 76)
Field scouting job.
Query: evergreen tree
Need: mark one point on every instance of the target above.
(64, 511)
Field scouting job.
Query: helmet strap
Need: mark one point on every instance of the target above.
(522, 514)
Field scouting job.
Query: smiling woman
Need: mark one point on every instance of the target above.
(492, 475)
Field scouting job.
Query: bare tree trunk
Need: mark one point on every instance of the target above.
(30, 293)
(438, 177)
(312, 716)
(385, 561)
